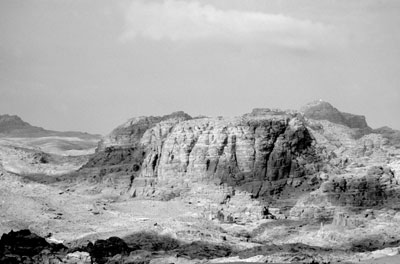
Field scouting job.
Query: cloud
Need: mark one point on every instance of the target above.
(191, 21)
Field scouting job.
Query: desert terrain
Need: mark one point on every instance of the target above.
(310, 186)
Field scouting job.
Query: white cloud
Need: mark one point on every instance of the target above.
(190, 21)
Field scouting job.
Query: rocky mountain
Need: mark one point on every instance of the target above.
(272, 155)
(260, 153)
(315, 186)
(321, 110)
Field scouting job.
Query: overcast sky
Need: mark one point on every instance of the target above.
(90, 65)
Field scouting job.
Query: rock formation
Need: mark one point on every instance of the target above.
(323, 177)
(320, 110)
(261, 152)
(378, 187)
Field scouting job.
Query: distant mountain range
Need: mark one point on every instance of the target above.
(14, 126)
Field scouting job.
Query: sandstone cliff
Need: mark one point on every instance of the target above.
(276, 156)
(360, 172)
(261, 153)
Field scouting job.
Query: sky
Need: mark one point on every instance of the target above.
(90, 65)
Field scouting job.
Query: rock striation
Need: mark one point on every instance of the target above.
(377, 188)
(261, 152)
(273, 155)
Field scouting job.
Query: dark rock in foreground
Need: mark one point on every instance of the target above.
(24, 246)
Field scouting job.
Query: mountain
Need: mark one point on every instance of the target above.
(14, 126)
(272, 155)
(257, 153)
(27, 149)
(9, 123)
(315, 185)
(321, 110)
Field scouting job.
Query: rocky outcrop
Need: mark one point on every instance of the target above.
(104, 249)
(260, 152)
(378, 187)
(26, 247)
(119, 156)
(320, 110)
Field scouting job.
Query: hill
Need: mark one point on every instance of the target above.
(14, 126)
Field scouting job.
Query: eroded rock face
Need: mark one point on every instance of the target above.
(376, 188)
(260, 152)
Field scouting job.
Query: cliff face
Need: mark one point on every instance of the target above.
(260, 152)
(274, 155)
(376, 188)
